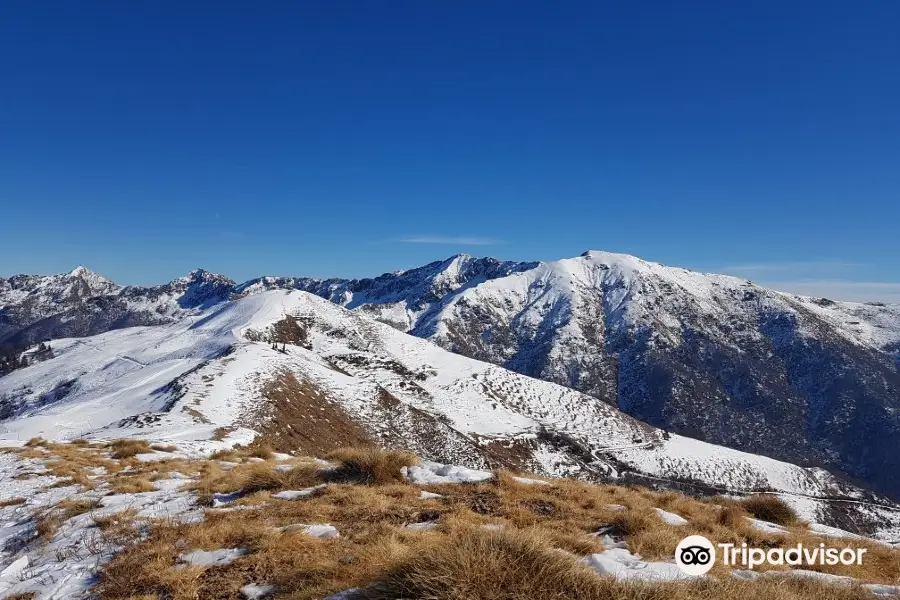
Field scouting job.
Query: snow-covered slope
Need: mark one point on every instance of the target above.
(343, 376)
(719, 358)
(807, 380)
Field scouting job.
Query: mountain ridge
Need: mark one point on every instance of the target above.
(217, 376)
(715, 357)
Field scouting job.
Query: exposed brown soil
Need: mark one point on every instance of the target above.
(298, 417)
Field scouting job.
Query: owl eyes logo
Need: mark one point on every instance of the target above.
(695, 555)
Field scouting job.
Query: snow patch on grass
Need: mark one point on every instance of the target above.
(670, 517)
(622, 564)
(298, 494)
(212, 558)
(432, 472)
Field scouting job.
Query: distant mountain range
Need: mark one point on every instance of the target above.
(806, 380)
(309, 376)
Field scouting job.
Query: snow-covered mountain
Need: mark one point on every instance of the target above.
(803, 379)
(81, 303)
(718, 358)
(343, 377)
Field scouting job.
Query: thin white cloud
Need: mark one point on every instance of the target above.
(450, 240)
(836, 289)
(786, 267)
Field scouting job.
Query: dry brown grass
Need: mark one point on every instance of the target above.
(127, 448)
(299, 417)
(730, 516)
(50, 522)
(522, 560)
(164, 448)
(119, 528)
(508, 564)
(369, 466)
(264, 476)
(78, 478)
(221, 433)
(263, 451)
(476, 563)
(11, 502)
(76, 506)
(115, 520)
(239, 453)
(770, 507)
(250, 478)
(25, 596)
(48, 525)
(35, 442)
(76, 462)
(227, 454)
(131, 485)
(454, 563)
(355, 465)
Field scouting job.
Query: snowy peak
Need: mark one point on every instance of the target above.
(81, 302)
(203, 276)
(80, 280)
(601, 257)
(202, 288)
(95, 283)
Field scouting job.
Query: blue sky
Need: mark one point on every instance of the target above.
(353, 138)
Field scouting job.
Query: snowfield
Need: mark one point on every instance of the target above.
(65, 566)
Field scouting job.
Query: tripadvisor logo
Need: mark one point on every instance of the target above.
(695, 555)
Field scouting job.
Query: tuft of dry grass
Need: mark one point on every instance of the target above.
(369, 466)
(48, 525)
(114, 520)
(769, 507)
(127, 448)
(164, 448)
(119, 528)
(77, 477)
(77, 506)
(227, 454)
(50, 522)
(132, 485)
(731, 516)
(35, 442)
(11, 502)
(221, 433)
(250, 478)
(239, 453)
(264, 476)
(476, 563)
(263, 451)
